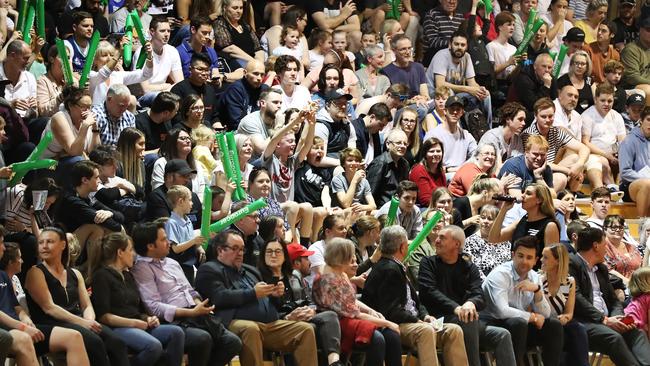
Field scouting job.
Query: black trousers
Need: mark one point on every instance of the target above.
(98, 346)
(630, 348)
(202, 350)
(524, 334)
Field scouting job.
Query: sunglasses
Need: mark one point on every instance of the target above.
(401, 97)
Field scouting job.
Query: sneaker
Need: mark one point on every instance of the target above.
(580, 194)
(613, 188)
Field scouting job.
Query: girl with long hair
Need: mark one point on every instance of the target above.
(130, 148)
(365, 236)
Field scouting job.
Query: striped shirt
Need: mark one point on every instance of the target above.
(557, 138)
(110, 127)
(438, 28)
(16, 210)
(559, 300)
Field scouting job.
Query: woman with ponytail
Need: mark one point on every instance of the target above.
(365, 236)
(117, 304)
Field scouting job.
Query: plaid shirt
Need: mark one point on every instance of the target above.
(109, 127)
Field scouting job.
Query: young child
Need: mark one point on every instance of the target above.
(204, 150)
(311, 181)
(290, 41)
(321, 43)
(440, 96)
(340, 43)
(639, 307)
(185, 242)
(352, 188)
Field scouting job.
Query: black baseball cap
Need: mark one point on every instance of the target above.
(178, 166)
(628, 2)
(645, 23)
(336, 94)
(635, 99)
(453, 100)
(574, 34)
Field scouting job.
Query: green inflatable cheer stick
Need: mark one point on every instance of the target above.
(92, 49)
(137, 24)
(236, 216)
(22, 15)
(20, 169)
(40, 148)
(29, 23)
(392, 212)
(206, 215)
(127, 50)
(145, 7)
(523, 46)
(488, 8)
(532, 16)
(557, 65)
(426, 230)
(65, 61)
(225, 157)
(240, 194)
(40, 25)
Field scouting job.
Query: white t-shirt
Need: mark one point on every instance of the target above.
(573, 122)
(284, 50)
(499, 54)
(442, 64)
(603, 130)
(462, 142)
(298, 99)
(554, 45)
(315, 59)
(164, 64)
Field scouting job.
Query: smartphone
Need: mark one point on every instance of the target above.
(504, 197)
(627, 320)
(274, 280)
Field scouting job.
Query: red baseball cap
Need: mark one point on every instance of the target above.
(296, 251)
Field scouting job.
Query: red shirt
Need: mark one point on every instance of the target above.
(426, 182)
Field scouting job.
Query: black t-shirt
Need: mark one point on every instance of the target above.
(625, 33)
(585, 95)
(154, 133)
(207, 93)
(463, 207)
(310, 182)
(533, 228)
(64, 23)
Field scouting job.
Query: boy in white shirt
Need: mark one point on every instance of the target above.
(602, 130)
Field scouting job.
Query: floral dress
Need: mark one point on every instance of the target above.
(484, 255)
(624, 264)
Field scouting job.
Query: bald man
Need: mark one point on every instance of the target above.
(565, 113)
(534, 83)
(241, 97)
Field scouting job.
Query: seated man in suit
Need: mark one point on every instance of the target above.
(242, 302)
(388, 276)
(598, 308)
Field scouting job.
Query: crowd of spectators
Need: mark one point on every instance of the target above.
(340, 110)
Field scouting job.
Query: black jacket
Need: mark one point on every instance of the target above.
(389, 278)
(584, 309)
(384, 176)
(526, 88)
(363, 137)
(444, 287)
(217, 282)
(74, 211)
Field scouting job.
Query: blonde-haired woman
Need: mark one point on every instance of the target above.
(539, 220)
(596, 12)
(560, 291)
(108, 71)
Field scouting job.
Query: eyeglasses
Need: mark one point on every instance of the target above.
(272, 252)
(578, 63)
(401, 97)
(398, 143)
(408, 121)
(236, 249)
(616, 228)
(84, 107)
(488, 153)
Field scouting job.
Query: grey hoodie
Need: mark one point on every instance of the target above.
(633, 155)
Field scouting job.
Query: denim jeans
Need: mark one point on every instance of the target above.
(149, 345)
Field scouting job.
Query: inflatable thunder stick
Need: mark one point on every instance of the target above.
(34, 156)
(225, 158)
(392, 211)
(206, 215)
(29, 23)
(65, 61)
(40, 17)
(557, 64)
(236, 216)
(523, 46)
(22, 14)
(240, 194)
(137, 24)
(422, 235)
(127, 49)
(92, 49)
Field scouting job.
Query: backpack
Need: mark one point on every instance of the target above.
(476, 123)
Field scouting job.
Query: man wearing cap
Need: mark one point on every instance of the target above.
(636, 59)
(177, 172)
(452, 134)
(627, 31)
(633, 108)
(574, 40)
(533, 83)
(328, 330)
(333, 125)
(388, 169)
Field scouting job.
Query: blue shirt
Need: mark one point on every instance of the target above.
(185, 51)
(517, 166)
(180, 230)
(504, 301)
